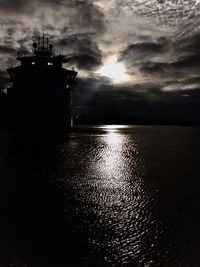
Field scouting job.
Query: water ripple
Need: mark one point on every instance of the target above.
(124, 206)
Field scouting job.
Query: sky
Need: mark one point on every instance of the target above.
(136, 59)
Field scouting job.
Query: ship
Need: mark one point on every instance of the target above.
(41, 89)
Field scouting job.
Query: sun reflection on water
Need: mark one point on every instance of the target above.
(110, 187)
(119, 196)
(111, 166)
(113, 138)
(113, 127)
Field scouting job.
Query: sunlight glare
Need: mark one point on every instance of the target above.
(114, 70)
(113, 138)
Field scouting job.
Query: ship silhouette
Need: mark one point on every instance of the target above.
(41, 89)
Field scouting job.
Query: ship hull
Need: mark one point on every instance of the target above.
(42, 99)
(49, 115)
(41, 96)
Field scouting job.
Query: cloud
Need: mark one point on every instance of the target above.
(90, 15)
(86, 62)
(157, 41)
(165, 13)
(143, 102)
(187, 62)
(7, 50)
(14, 6)
(3, 79)
(84, 50)
(165, 61)
(138, 53)
(73, 25)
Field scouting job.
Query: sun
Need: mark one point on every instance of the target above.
(114, 70)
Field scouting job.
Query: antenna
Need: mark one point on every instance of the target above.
(20, 36)
(38, 43)
(47, 44)
(43, 40)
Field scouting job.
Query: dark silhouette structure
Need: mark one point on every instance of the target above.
(41, 89)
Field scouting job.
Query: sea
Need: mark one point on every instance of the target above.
(108, 195)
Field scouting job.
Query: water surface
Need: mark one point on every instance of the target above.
(105, 196)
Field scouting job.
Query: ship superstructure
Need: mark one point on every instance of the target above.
(41, 88)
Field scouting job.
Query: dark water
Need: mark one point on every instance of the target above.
(126, 196)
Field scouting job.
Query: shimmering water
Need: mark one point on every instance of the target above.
(105, 196)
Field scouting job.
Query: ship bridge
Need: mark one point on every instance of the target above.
(41, 71)
(41, 87)
(43, 55)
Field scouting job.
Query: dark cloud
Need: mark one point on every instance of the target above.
(154, 67)
(188, 61)
(86, 62)
(144, 56)
(79, 13)
(165, 60)
(144, 47)
(76, 24)
(157, 41)
(89, 14)
(140, 50)
(193, 80)
(13, 5)
(24, 6)
(189, 43)
(3, 79)
(56, 18)
(84, 49)
(108, 103)
(7, 50)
